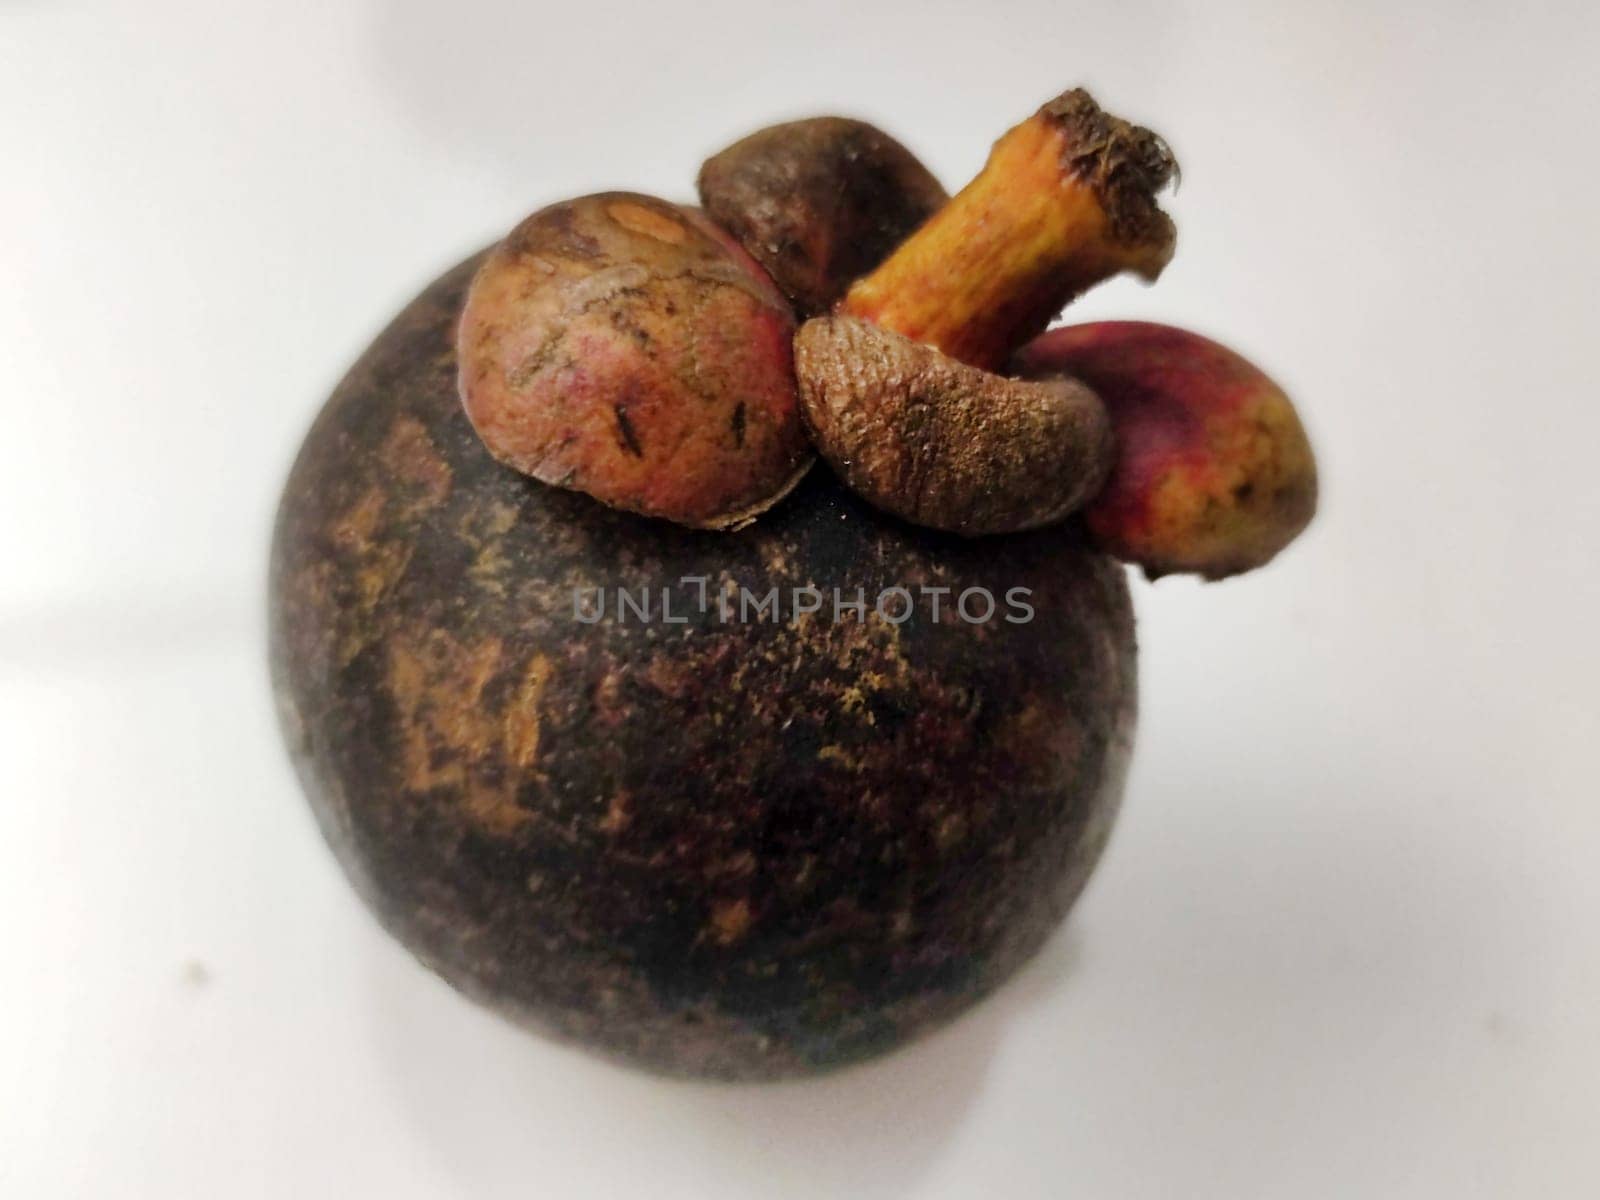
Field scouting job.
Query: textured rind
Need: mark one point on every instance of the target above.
(943, 444)
(739, 851)
(818, 202)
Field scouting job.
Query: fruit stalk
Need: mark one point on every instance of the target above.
(1065, 200)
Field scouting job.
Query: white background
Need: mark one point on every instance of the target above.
(1347, 938)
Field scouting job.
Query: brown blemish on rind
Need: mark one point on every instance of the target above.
(522, 715)
(730, 920)
(617, 814)
(355, 529)
(547, 812)
(412, 460)
(649, 222)
(451, 739)
(430, 701)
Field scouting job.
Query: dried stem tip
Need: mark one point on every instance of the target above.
(1066, 200)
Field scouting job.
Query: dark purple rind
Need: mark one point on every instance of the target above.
(739, 851)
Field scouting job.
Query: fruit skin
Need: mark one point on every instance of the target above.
(1214, 474)
(943, 444)
(818, 202)
(740, 851)
(628, 348)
